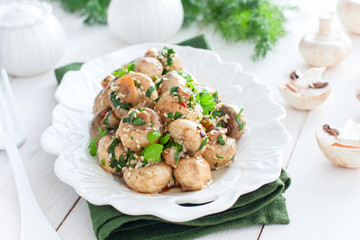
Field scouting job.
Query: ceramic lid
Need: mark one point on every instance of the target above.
(23, 14)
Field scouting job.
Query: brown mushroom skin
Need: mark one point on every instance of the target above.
(149, 66)
(103, 155)
(232, 125)
(135, 137)
(192, 173)
(167, 103)
(190, 134)
(150, 179)
(155, 53)
(98, 105)
(138, 97)
(226, 153)
(97, 121)
(169, 80)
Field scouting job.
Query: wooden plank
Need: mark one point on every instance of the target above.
(323, 200)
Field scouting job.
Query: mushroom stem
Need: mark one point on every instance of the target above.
(326, 25)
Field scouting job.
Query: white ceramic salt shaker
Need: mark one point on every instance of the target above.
(144, 20)
(31, 38)
(327, 47)
(349, 14)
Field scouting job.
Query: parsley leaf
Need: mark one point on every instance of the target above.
(152, 152)
(238, 120)
(165, 139)
(206, 101)
(92, 145)
(153, 136)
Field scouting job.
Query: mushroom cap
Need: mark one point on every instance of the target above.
(338, 154)
(150, 179)
(193, 173)
(98, 121)
(232, 125)
(141, 99)
(303, 102)
(171, 79)
(168, 103)
(226, 153)
(302, 93)
(103, 155)
(190, 134)
(135, 137)
(98, 106)
(149, 66)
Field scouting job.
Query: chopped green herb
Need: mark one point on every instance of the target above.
(174, 90)
(232, 158)
(206, 101)
(170, 115)
(165, 139)
(157, 99)
(145, 162)
(180, 99)
(121, 161)
(102, 162)
(186, 76)
(111, 149)
(220, 124)
(158, 83)
(178, 115)
(92, 145)
(150, 91)
(152, 152)
(106, 118)
(117, 103)
(124, 70)
(141, 109)
(221, 140)
(136, 83)
(216, 97)
(216, 164)
(178, 151)
(202, 145)
(238, 120)
(220, 156)
(218, 113)
(169, 54)
(153, 136)
(137, 121)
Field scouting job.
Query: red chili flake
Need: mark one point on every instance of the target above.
(104, 113)
(183, 104)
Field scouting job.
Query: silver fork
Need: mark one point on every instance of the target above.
(34, 224)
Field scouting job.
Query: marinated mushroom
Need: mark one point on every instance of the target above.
(135, 127)
(233, 120)
(149, 179)
(110, 149)
(169, 80)
(167, 56)
(221, 149)
(193, 173)
(341, 147)
(170, 108)
(131, 90)
(105, 120)
(190, 134)
(149, 66)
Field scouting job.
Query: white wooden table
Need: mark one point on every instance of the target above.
(323, 201)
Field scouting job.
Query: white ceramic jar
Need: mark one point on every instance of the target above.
(31, 38)
(349, 14)
(138, 21)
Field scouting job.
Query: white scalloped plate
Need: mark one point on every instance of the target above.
(259, 151)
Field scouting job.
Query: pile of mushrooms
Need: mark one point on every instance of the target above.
(341, 147)
(305, 91)
(156, 127)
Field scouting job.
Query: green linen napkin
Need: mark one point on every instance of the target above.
(266, 205)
